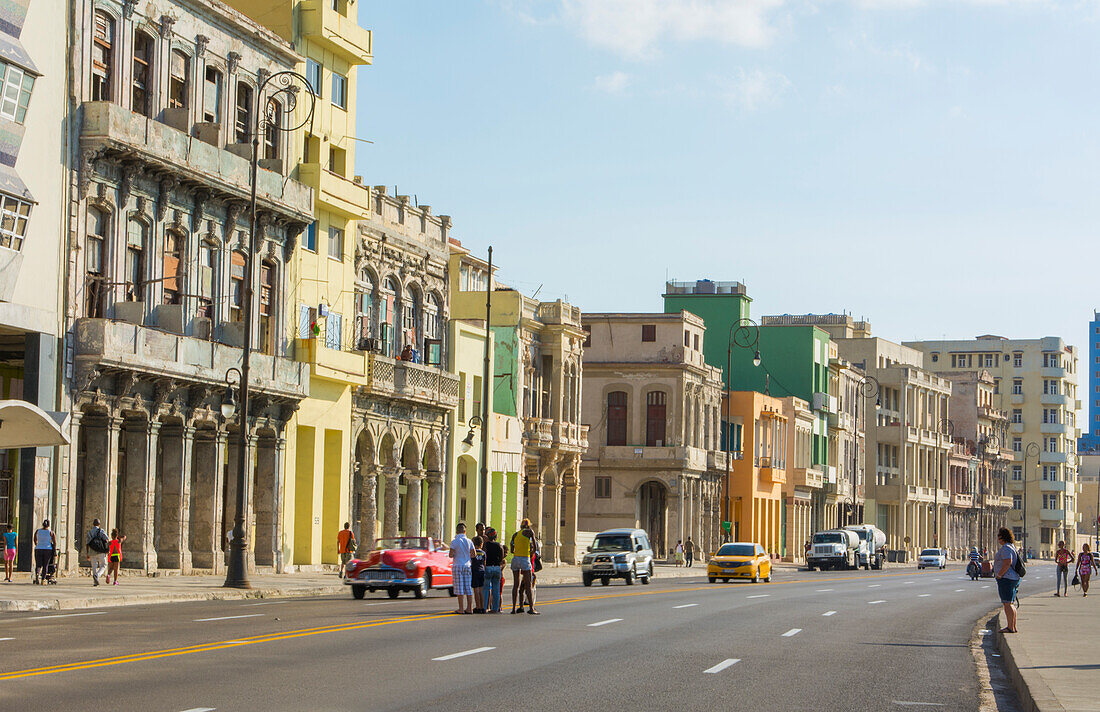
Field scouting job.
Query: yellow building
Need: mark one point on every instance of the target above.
(760, 435)
(321, 271)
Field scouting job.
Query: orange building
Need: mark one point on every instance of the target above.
(759, 432)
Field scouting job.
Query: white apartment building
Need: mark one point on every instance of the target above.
(1035, 381)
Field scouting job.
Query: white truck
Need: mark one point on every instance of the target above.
(833, 549)
(872, 545)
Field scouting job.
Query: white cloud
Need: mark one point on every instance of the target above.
(636, 28)
(613, 83)
(752, 90)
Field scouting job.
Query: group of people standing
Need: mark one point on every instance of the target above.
(478, 569)
(684, 552)
(1085, 564)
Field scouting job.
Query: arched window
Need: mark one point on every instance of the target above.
(137, 242)
(243, 124)
(103, 56)
(655, 419)
(173, 248)
(95, 262)
(364, 309)
(273, 127)
(179, 81)
(387, 317)
(616, 418)
(141, 93)
(410, 316)
(208, 270)
(236, 286)
(268, 293)
(433, 333)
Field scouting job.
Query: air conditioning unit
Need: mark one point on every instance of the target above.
(369, 344)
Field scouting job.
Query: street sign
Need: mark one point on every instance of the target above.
(726, 526)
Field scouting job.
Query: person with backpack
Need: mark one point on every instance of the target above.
(1086, 564)
(1007, 570)
(11, 543)
(1063, 557)
(98, 545)
(345, 545)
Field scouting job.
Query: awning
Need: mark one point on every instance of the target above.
(24, 424)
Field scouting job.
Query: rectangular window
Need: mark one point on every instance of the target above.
(339, 90)
(687, 339)
(462, 397)
(243, 124)
(649, 332)
(655, 419)
(475, 399)
(1017, 445)
(179, 80)
(1017, 473)
(603, 488)
(337, 161)
(17, 92)
(236, 286)
(309, 239)
(1017, 501)
(1017, 360)
(13, 221)
(140, 98)
(313, 76)
(103, 56)
(336, 244)
(695, 342)
(334, 330)
(616, 418)
(1017, 387)
(212, 96)
(1017, 415)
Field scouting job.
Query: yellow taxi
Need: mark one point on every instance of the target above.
(739, 560)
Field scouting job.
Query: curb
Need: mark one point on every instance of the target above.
(229, 594)
(1034, 694)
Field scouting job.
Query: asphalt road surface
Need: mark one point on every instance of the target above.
(890, 640)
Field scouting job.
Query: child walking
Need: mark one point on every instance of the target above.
(114, 555)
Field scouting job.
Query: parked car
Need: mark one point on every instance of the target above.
(932, 558)
(618, 553)
(740, 560)
(396, 564)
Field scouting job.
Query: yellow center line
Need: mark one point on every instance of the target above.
(342, 627)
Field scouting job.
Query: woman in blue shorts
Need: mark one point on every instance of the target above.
(1004, 568)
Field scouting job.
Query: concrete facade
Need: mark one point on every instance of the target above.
(761, 434)
(1035, 381)
(653, 458)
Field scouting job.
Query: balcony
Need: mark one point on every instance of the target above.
(962, 500)
(1053, 372)
(1056, 399)
(559, 312)
(824, 402)
(1057, 515)
(569, 436)
(1055, 486)
(111, 128)
(336, 33)
(919, 494)
(842, 489)
(107, 344)
(772, 470)
(350, 199)
(331, 364)
(992, 413)
(653, 458)
(1054, 458)
(412, 381)
(841, 421)
(1017, 398)
(807, 477)
(1057, 429)
(537, 432)
(1015, 427)
(996, 501)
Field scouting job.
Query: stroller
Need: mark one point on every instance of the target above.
(49, 574)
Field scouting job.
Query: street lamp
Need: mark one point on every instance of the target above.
(745, 334)
(279, 106)
(475, 423)
(1032, 450)
(229, 400)
(867, 388)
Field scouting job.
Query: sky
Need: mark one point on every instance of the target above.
(929, 165)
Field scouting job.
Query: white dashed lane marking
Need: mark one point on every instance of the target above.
(723, 665)
(65, 615)
(686, 605)
(824, 590)
(957, 590)
(871, 603)
(874, 585)
(226, 618)
(759, 595)
(609, 620)
(792, 632)
(463, 654)
(829, 613)
(924, 595)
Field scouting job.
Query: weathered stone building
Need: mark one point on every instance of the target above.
(165, 98)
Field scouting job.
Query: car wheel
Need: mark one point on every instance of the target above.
(357, 592)
(629, 577)
(712, 579)
(768, 578)
(393, 593)
(605, 580)
(648, 576)
(809, 568)
(756, 575)
(425, 585)
(586, 579)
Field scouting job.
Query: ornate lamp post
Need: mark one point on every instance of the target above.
(867, 389)
(745, 334)
(1032, 450)
(278, 97)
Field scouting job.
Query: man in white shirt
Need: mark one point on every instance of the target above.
(461, 550)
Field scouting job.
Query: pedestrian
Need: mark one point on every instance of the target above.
(1004, 569)
(44, 544)
(479, 530)
(461, 550)
(806, 547)
(1063, 557)
(494, 560)
(114, 555)
(679, 552)
(345, 546)
(477, 574)
(1086, 563)
(98, 546)
(689, 552)
(522, 546)
(11, 543)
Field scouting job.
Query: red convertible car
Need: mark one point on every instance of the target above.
(407, 563)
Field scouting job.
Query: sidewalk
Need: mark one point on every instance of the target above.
(1054, 658)
(75, 592)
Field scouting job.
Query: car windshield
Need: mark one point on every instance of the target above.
(828, 538)
(402, 542)
(930, 552)
(736, 550)
(619, 542)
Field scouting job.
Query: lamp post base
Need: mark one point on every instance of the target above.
(236, 574)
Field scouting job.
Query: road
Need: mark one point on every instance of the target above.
(895, 639)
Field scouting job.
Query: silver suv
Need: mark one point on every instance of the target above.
(618, 553)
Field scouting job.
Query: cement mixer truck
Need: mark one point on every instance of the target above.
(872, 545)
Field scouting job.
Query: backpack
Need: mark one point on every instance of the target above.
(1019, 567)
(97, 542)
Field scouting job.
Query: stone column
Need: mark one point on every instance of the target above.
(70, 518)
(435, 505)
(389, 521)
(412, 503)
(280, 473)
(569, 533)
(231, 494)
(172, 507)
(139, 496)
(554, 548)
(107, 469)
(368, 511)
